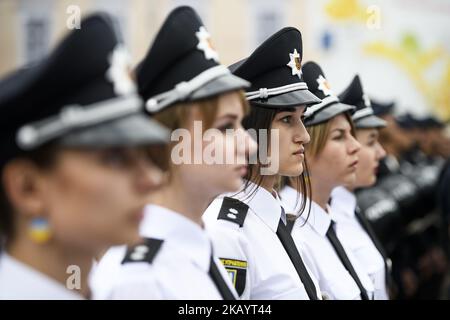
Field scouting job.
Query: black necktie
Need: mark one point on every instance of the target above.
(331, 235)
(368, 228)
(220, 283)
(289, 245)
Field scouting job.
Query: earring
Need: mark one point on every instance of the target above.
(40, 231)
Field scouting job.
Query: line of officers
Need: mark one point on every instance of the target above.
(94, 206)
(409, 205)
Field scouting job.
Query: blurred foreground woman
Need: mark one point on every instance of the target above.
(76, 166)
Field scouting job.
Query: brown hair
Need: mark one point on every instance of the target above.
(261, 118)
(178, 115)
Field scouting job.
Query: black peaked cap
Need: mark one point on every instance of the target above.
(81, 94)
(275, 64)
(182, 50)
(364, 116)
(319, 86)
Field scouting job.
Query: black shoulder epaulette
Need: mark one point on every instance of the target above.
(233, 210)
(143, 252)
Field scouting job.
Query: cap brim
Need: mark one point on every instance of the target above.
(380, 109)
(223, 84)
(328, 112)
(288, 99)
(370, 122)
(134, 130)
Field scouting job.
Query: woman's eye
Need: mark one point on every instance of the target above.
(286, 119)
(371, 143)
(114, 158)
(226, 126)
(339, 137)
(149, 157)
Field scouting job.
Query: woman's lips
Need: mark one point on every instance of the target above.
(299, 153)
(353, 164)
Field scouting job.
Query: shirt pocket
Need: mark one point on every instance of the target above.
(340, 289)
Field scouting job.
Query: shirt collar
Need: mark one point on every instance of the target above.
(343, 201)
(318, 219)
(178, 231)
(291, 199)
(20, 281)
(265, 205)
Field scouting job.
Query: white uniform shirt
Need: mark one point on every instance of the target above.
(19, 281)
(179, 270)
(319, 255)
(269, 272)
(348, 228)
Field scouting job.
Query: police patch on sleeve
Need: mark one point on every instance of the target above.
(237, 270)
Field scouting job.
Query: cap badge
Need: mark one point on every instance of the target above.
(366, 100)
(205, 45)
(119, 72)
(295, 63)
(324, 86)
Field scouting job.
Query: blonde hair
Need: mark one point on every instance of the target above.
(319, 135)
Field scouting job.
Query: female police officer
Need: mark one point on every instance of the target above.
(249, 229)
(352, 225)
(332, 159)
(190, 92)
(75, 174)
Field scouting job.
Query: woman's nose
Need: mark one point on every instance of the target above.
(355, 146)
(149, 176)
(302, 135)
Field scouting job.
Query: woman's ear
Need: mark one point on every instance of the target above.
(24, 187)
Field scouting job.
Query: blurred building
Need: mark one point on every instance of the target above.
(29, 28)
(401, 48)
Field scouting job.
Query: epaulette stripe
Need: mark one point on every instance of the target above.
(233, 210)
(143, 252)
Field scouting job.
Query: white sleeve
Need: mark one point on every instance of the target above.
(111, 280)
(137, 283)
(102, 277)
(231, 246)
